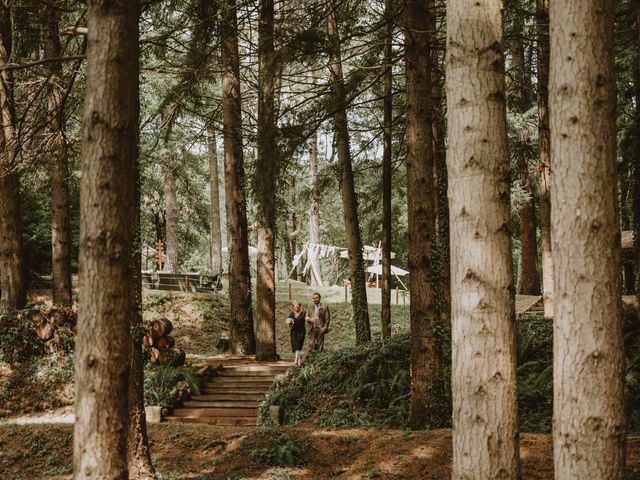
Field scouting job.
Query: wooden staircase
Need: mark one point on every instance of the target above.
(231, 395)
(534, 310)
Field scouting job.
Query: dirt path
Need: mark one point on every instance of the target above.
(216, 453)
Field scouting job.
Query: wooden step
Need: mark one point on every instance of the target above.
(236, 387)
(235, 403)
(232, 372)
(242, 379)
(226, 421)
(227, 397)
(216, 412)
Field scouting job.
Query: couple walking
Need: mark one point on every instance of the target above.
(318, 317)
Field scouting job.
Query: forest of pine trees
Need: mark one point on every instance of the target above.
(492, 145)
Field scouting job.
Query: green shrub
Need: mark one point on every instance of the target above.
(286, 451)
(165, 386)
(370, 384)
(18, 341)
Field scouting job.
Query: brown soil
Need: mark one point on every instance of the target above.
(215, 453)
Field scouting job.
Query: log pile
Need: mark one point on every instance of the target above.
(53, 324)
(161, 345)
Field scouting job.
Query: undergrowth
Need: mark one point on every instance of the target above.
(167, 386)
(370, 385)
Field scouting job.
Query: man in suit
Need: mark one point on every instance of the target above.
(319, 317)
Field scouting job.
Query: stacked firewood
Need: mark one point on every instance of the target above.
(161, 345)
(50, 324)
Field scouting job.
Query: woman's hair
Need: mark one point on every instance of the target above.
(295, 301)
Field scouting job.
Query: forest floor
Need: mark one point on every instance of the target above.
(225, 453)
(35, 443)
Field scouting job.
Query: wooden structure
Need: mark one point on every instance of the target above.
(181, 282)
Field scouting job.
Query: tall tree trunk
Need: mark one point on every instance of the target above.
(314, 210)
(440, 266)
(107, 205)
(138, 455)
(59, 163)
(171, 220)
(170, 194)
(528, 279)
(588, 364)
(635, 169)
(426, 361)
(265, 186)
(214, 203)
(386, 172)
(347, 187)
(12, 272)
(485, 435)
(242, 336)
(544, 154)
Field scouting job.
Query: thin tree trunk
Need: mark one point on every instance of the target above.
(265, 186)
(528, 280)
(12, 271)
(241, 325)
(138, 454)
(107, 206)
(347, 187)
(59, 163)
(314, 214)
(588, 363)
(485, 435)
(214, 205)
(441, 266)
(386, 173)
(426, 361)
(544, 154)
(635, 169)
(170, 194)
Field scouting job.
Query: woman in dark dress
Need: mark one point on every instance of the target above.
(297, 330)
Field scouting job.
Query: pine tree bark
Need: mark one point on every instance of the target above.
(544, 154)
(528, 279)
(588, 364)
(242, 339)
(314, 210)
(139, 461)
(386, 173)
(347, 187)
(214, 203)
(107, 206)
(59, 162)
(441, 268)
(635, 169)
(265, 186)
(12, 272)
(426, 361)
(485, 435)
(170, 194)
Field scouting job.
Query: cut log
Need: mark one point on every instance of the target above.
(171, 356)
(159, 328)
(57, 317)
(45, 330)
(154, 355)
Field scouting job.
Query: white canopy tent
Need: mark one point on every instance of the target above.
(395, 271)
(377, 269)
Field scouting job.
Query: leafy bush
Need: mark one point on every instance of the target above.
(370, 385)
(18, 341)
(367, 381)
(166, 386)
(286, 451)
